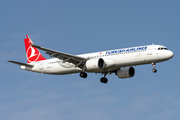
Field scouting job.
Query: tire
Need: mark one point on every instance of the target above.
(154, 70)
(83, 75)
(104, 80)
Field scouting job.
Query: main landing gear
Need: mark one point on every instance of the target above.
(83, 75)
(154, 65)
(103, 79)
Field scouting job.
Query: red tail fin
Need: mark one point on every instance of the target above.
(32, 53)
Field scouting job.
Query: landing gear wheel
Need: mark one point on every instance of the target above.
(83, 75)
(104, 80)
(154, 70)
(154, 65)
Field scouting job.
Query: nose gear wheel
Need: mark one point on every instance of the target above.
(154, 65)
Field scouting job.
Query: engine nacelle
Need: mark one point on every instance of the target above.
(99, 64)
(126, 72)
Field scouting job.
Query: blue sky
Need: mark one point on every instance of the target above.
(83, 26)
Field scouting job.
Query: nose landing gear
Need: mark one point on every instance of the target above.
(154, 65)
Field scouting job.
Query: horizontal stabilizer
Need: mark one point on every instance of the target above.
(19, 63)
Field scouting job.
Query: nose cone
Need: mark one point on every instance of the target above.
(170, 54)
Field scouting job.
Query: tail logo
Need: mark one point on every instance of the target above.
(32, 54)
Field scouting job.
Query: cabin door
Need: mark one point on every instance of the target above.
(149, 50)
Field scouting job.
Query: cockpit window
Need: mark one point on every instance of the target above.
(162, 49)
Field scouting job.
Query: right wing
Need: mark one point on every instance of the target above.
(76, 60)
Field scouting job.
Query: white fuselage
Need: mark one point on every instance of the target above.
(120, 57)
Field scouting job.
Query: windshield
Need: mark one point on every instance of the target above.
(162, 48)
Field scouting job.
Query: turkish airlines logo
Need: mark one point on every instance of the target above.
(32, 54)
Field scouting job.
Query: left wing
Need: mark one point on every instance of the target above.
(76, 60)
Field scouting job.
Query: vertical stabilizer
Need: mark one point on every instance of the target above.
(32, 53)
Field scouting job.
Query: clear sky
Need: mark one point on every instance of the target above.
(82, 26)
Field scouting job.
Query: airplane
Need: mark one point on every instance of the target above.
(118, 61)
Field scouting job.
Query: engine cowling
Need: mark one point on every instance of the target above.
(99, 64)
(126, 72)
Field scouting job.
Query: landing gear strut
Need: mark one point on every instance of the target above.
(104, 79)
(154, 65)
(83, 75)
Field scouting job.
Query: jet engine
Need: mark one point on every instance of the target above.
(126, 72)
(99, 64)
